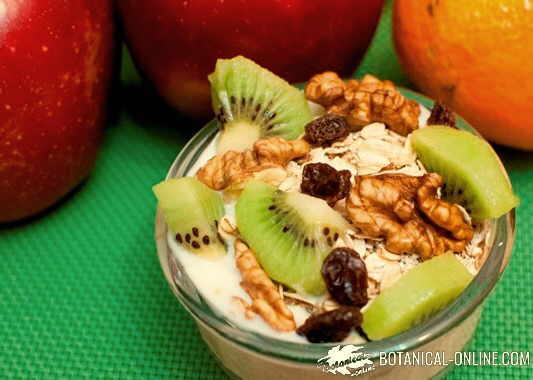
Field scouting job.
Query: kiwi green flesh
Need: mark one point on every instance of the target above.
(290, 233)
(419, 294)
(243, 93)
(192, 211)
(472, 173)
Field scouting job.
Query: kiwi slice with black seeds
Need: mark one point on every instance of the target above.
(291, 234)
(192, 210)
(473, 175)
(251, 102)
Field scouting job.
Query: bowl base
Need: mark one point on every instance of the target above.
(241, 363)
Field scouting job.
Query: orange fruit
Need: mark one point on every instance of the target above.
(475, 55)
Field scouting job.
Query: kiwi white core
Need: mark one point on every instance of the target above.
(239, 136)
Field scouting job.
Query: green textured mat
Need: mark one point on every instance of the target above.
(82, 294)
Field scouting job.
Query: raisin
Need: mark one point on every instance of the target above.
(346, 277)
(441, 114)
(332, 326)
(326, 130)
(323, 181)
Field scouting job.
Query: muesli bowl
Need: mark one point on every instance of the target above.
(247, 354)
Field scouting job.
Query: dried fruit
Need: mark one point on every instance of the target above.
(446, 215)
(384, 206)
(326, 130)
(332, 326)
(325, 88)
(323, 181)
(366, 101)
(267, 301)
(441, 114)
(346, 277)
(233, 168)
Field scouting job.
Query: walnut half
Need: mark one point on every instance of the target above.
(266, 299)
(232, 167)
(364, 102)
(391, 206)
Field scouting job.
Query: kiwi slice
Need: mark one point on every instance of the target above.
(192, 210)
(473, 175)
(419, 294)
(250, 102)
(291, 234)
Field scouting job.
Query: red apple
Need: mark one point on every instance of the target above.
(175, 43)
(56, 59)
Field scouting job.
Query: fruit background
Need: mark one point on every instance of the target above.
(81, 291)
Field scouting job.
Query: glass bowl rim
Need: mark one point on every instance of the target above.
(470, 299)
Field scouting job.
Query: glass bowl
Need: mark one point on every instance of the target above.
(249, 355)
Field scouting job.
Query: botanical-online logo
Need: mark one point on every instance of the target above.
(346, 360)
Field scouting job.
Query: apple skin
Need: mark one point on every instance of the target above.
(176, 43)
(56, 60)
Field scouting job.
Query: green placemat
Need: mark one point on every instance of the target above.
(82, 294)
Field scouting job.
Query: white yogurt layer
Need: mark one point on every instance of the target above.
(219, 280)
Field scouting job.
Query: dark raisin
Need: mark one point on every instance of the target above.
(332, 326)
(346, 277)
(326, 130)
(179, 238)
(323, 181)
(441, 114)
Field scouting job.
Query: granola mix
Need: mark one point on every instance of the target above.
(358, 158)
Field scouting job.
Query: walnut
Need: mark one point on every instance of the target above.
(421, 238)
(249, 313)
(220, 170)
(232, 167)
(269, 173)
(443, 214)
(227, 228)
(275, 150)
(383, 198)
(325, 89)
(386, 206)
(380, 101)
(266, 300)
(366, 101)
